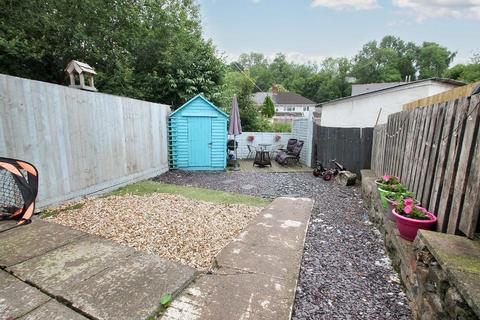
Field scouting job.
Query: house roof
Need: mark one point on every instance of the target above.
(369, 87)
(281, 98)
(403, 84)
(290, 98)
(198, 96)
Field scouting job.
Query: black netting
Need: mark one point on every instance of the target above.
(10, 196)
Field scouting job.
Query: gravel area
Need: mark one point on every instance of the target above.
(345, 272)
(177, 228)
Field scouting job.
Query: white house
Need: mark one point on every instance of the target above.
(287, 104)
(362, 109)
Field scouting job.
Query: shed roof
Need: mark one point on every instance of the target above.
(404, 84)
(370, 87)
(79, 67)
(199, 96)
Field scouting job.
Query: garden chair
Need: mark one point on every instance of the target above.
(285, 158)
(290, 145)
(251, 151)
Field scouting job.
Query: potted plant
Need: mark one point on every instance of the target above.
(388, 182)
(388, 185)
(410, 218)
(394, 198)
(250, 138)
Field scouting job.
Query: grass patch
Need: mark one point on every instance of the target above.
(50, 213)
(145, 188)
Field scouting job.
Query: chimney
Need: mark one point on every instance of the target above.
(274, 88)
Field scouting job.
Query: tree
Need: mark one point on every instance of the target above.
(268, 109)
(152, 50)
(433, 60)
(390, 60)
(465, 72)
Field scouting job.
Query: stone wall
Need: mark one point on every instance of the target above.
(436, 296)
(433, 291)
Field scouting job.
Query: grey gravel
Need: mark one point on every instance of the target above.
(345, 272)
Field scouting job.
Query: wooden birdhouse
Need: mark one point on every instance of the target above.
(83, 72)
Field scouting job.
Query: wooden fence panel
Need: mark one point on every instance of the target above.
(81, 142)
(451, 168)
(436, 152)
(470, 124)
(469, 219)
(350, 146)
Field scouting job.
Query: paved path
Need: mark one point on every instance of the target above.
(256, 274)
(53, 272)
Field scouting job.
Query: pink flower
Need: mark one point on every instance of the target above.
(386, 177)
(407, 209)
(398, 178)
(408, 202)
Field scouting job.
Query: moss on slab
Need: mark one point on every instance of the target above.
(145, 188)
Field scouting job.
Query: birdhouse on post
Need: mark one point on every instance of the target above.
(83, 72)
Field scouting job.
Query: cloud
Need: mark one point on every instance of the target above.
(346, 4)
(424, 9)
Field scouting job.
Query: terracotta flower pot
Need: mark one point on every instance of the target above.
(408, 227)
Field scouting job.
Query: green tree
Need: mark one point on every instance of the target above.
(152, 50)
(388, 61)
(268, 109)
(465, 72)
(433, 60)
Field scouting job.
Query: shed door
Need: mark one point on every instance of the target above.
(200, 141)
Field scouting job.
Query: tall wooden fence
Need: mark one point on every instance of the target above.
(435, 151)
(350, 146)
(81, 142)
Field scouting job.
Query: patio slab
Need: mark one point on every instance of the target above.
(131, 289)
(17, 298)
(53, 310)
(257, 273)
(97, 277)
(39, 237)
(59, 270)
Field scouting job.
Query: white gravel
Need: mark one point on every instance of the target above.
(177, 228)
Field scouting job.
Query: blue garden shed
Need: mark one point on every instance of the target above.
(198, 136)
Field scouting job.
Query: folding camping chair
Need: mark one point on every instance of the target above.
(18, 190)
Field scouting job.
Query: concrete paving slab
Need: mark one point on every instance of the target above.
(39, 237)
(17, 298)
(131, 289)
(7, 224)
(275, 238)
(257, 273)
(59, 270)
(53, 310)
(234, 295)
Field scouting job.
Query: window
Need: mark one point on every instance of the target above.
(289, 109)
(306, 108)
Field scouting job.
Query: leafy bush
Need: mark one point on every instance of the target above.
(281, 127)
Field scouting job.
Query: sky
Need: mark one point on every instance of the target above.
(310, 30)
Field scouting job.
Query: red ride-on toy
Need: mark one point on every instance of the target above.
(328, 174)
